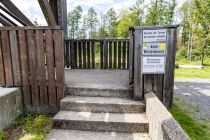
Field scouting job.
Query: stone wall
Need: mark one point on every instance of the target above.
(11, 105)
(162, 125)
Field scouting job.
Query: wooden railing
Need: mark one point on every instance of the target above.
(96, 53)
(32, 58)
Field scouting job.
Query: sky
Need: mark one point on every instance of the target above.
(33, 11)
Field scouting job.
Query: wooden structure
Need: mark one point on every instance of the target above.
(162, 84)
(97, 53)
(33, 58)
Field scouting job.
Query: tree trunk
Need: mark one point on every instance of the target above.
(191, 47)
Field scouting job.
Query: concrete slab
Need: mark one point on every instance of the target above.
(93, 135)
(100, 79)
(102, 104)
(107, 122)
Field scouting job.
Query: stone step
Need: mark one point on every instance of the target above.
(108, 122)
(101, 104)
(94, 135)
(98, 92)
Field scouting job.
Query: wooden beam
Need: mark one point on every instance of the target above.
(6, 21)
(14, 10)
(62, 16)
(12, 15)
(45, 6)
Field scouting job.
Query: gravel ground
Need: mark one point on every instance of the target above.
(193, 94)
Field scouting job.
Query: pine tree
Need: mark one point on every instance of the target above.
(92, 22)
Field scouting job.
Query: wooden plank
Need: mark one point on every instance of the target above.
(59, 62)
(127, 54)
(72, 55)
(75, 54)
(41, 68)
(33, 67)
(93, 54)
(2, 74)
(124, 55)
(110, 55)
(5, 22)
(15, 58)
(148, 83)
(131, 56)
(105, 54)
(12, 15)
(88, 55)
(115, 55)
(24, 67)
(101, 55)
(50, 68)
(138, 79)
(80, 54)
(31, 28)
(119, 55)
(67, 46)
(158, 86)
(46, 9)
(8, 20)
(169, 68)
(14, 10)
(7, 58)
(84, 55)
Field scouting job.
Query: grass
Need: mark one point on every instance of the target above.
(193, 73)
(30, 127)
(195, 129)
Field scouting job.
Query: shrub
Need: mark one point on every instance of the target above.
(2, 137)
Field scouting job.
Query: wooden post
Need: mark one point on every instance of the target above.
(138, 79)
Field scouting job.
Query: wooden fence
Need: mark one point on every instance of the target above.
(96, 53)
(32, 58)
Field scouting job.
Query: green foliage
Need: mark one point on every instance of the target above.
(2, 137)
(92, 22)
(111, 20)
(181, 54)
(73, 21)
(195, 130)
(160, 12)
(34, 124)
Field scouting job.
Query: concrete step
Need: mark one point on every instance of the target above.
(101, 104)
(93, 135)
(109, 122)
(98, 91)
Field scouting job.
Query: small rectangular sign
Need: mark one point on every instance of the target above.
(154, 49)
(154, 35)
(153, 65)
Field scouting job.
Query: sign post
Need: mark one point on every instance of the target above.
(153, 61)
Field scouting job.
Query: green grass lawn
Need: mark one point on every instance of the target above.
(195, 129)
(193, 73)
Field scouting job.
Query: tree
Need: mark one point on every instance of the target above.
(73, 21)
(124, 23)
(92, 22)
(201, 28)
(137, 13)
(160, 12)
(111, 20)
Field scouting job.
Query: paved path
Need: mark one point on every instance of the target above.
(194, 95)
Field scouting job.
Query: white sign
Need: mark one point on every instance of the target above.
(154, 35)
(153, 65)
(154, 49)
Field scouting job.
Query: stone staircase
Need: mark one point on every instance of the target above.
(97, 113)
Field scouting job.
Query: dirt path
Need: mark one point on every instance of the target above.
(193, 95)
